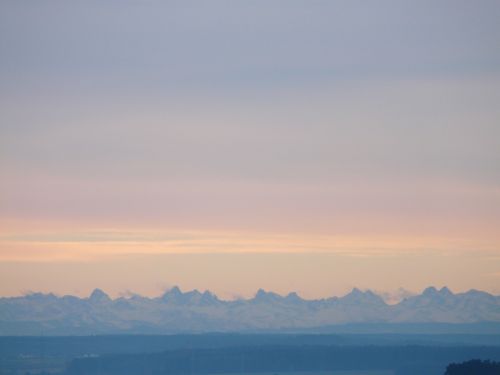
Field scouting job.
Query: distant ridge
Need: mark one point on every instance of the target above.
(194, 311)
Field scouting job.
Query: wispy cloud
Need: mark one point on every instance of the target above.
(105, 244)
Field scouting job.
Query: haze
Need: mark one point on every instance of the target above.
(228, 145)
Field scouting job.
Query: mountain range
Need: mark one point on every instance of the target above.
(193, 311)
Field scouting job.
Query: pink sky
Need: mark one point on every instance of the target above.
(232, 147)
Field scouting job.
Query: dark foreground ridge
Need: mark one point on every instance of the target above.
(474, 367)
(399, 360)
(227, 354)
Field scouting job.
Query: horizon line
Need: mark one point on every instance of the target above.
(261, 291)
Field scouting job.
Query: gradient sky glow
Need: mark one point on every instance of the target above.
(230, 145)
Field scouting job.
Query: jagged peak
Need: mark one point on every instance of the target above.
(194, 296)
(191, 293)
(175, 290)
(175, 294)
(361, 307)
(445, 291)
(357, 295)
(39, 295)
(358, 292)
(262, 294)
(293, 295)
(209, 294)
(98, 295)
(172, 292)
(431, 290)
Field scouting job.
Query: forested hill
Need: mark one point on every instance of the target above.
(401, 360)
(474, 367)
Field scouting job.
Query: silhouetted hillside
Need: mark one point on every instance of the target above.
(474, 367)
(404, 360)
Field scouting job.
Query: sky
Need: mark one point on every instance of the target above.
(309, 146)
